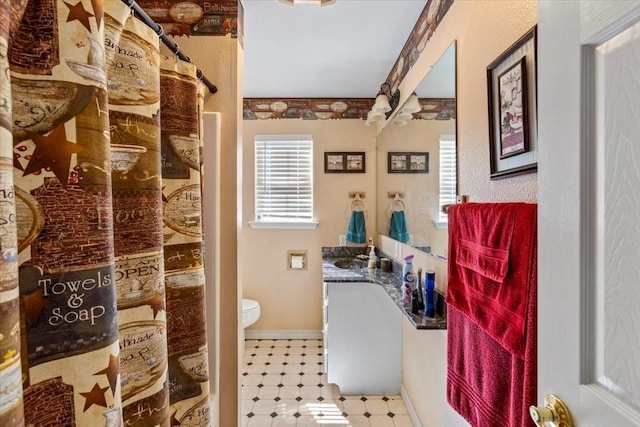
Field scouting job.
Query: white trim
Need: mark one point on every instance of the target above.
(285, 137)
(283, 334)
(412, 412)
(284, 225)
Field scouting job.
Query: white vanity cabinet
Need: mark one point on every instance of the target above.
(362, 339)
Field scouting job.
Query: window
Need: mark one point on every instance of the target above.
(284, 180)
(447, 174)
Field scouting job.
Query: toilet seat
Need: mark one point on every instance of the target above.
(250, 312)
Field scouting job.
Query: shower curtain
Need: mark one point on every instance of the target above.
(91, 302)
(183, 254)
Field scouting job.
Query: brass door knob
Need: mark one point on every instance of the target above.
(554, 412)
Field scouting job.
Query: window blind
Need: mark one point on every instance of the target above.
(284, 178)
(448, 174)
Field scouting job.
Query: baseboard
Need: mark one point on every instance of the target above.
(282, 334)
(412, 412)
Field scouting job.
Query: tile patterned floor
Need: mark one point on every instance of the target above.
(283, 385)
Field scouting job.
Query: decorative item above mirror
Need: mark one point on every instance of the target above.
(430, 130)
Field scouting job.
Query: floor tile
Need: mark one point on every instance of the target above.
(310, 379)
(246, 406)
(397, 406)
(249, 391)
(264, 407)
(271, 379)
(287, 421)
(286, 407)
(254, 368)
(310, 392)
(381, 421)
(252, 379)
(402, 421)
(260, 421)
(354, 406)
(277, 358)
(358, 421)
(261, 358)
(262, 351)
(273, 368)
(268, 392)
(289, 392)
(291, 379)
(310, 368)
(292, 368)
(279, 351)
(377, 406)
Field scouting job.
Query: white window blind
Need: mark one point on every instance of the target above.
(448, 174)
(284, 178)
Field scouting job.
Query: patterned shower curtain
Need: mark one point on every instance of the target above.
(183, 255)
(132, 54)
(11, 404)
(84, 338)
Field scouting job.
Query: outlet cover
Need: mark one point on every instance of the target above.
(342, 240)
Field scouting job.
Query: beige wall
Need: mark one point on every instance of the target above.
(483, 30)
(290, 299)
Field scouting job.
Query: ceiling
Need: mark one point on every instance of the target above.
(344, 50)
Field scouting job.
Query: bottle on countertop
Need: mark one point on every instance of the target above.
(372, 255)
(408, 280)
(429, 289)
(420, 289)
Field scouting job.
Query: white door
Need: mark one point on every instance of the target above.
(589, 209)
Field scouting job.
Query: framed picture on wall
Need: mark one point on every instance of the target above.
(511, 86)
(344, 162)
(408, 162)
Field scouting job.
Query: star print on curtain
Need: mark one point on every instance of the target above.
(92, 330)
(62, 189)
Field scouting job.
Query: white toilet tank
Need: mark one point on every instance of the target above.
(250, 312)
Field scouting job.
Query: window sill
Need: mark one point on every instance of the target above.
(311, 225)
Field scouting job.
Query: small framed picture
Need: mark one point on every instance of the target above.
(408, 162)
(344, 162)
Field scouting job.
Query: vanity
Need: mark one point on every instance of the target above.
(362, 323)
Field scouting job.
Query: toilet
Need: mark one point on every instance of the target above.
(250, 312)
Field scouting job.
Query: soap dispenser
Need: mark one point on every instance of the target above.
(372, 255)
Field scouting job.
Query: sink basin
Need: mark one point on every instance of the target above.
(350, 263)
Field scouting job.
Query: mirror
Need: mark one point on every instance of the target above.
(403, 172)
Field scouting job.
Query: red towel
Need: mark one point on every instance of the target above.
(492, 378)
(491, 255)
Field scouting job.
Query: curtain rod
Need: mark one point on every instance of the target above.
(167, 41)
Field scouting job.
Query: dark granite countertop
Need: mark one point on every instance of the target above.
(355, 270)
